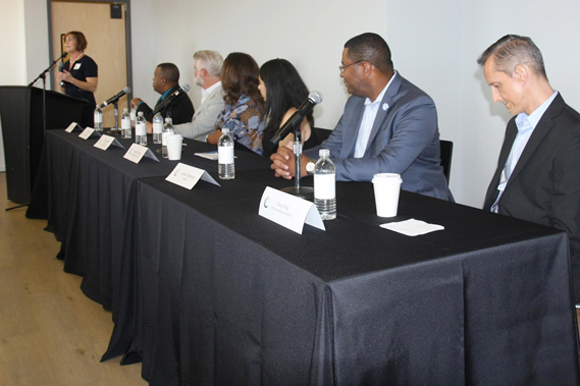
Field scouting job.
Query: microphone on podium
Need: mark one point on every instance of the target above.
(60, 67)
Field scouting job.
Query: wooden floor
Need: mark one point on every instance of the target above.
(50, 333)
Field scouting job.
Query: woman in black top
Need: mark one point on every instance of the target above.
(284, 91)
(79, 74)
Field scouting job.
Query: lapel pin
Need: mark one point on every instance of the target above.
(385, 106)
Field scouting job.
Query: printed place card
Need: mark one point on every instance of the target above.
(137, 152)
(288, 210)
(104, 142)
(87, 132)
(72, 127)
(187, 176)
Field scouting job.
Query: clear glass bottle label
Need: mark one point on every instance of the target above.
(126, 123)
(98, 118)
(140, 129)
(158, 127)
(226, 155)
(324, 186)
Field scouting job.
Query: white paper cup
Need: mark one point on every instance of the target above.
(387, 188)
(174, 147)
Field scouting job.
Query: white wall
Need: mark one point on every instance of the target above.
(24, 45)
(434, 43)
(12, 66)
(308, 33)
(425, 40)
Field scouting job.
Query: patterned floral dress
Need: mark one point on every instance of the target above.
(245, 120)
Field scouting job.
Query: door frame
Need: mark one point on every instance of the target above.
(128, 49)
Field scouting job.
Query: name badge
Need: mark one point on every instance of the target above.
(187, 176)
(137, 152)
(77, 66)
(289, 211)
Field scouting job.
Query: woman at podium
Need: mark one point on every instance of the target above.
(79, 75)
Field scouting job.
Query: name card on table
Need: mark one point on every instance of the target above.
(288, 210)
(107, 140)
(72, 127)
(137, 152)
(87, 132)
(187, 176)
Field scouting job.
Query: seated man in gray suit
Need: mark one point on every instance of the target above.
(388, 125)
(538, 172)
(208, 68)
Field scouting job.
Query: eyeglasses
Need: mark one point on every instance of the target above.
(341, 68)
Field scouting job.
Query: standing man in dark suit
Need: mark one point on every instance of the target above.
(166, 82)
(538, 172)
(388, 125)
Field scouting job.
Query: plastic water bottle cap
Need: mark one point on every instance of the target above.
(324, 153)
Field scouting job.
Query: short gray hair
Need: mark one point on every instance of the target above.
(212, 59)
(512, 50)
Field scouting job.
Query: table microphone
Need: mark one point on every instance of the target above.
(115, 98)
(163, 105)
(314, 98)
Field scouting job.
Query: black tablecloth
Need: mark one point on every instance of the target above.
(84, 192)
(214, 294)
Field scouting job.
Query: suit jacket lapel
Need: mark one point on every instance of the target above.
(383, 112)
(350, 135)
(542, 128)
(207, 100)
(510, 136)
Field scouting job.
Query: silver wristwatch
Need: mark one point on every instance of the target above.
(310, 167)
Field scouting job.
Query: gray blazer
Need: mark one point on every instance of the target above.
(203, 121)
(404, 139)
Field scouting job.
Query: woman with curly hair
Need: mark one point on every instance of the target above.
(243, 113)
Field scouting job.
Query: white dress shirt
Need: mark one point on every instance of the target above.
(368, 119)
(206, 91)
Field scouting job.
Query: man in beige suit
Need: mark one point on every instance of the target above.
(208, 68)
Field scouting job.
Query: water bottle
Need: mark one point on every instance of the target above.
(126, 124)
(325, 186)
(226, 165)
(98, 119)
(157, 129)
(141, 130)
(133, 114)
(167, 131)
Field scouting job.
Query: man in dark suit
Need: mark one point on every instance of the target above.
(166, 83)
(388, 125)
(538, 172)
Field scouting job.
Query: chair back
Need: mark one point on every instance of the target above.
(446, 154)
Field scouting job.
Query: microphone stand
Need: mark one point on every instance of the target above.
(115, 128)
(305, 192)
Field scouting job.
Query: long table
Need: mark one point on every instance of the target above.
(207, 292)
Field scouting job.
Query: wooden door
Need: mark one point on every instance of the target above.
(106, 45)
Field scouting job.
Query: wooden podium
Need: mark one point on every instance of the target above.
(23, 132)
